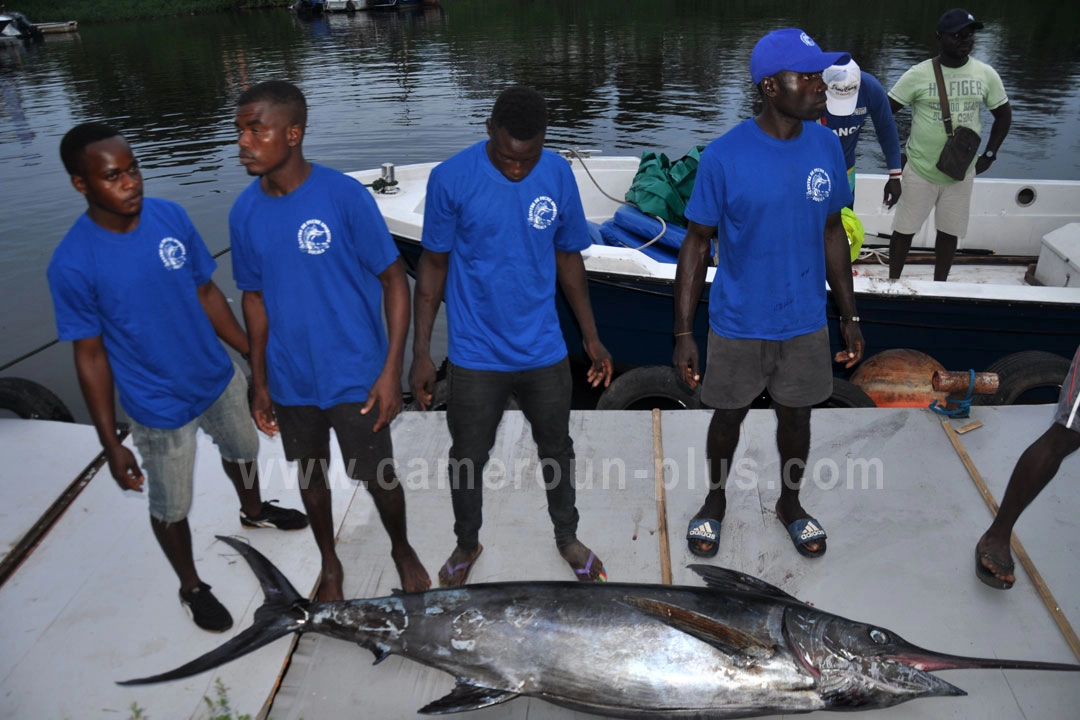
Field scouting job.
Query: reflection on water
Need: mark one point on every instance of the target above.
(621, 76)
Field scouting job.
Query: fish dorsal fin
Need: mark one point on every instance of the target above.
(733, 581)
(466, 696)
(723, 637)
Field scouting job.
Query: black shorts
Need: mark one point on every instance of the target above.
(305, 429)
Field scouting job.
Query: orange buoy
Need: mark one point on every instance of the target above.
(900, 378)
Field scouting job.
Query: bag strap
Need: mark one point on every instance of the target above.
(943, 99)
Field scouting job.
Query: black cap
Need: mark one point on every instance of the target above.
(956, 20)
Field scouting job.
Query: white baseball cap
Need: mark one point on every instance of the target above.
(842, 87)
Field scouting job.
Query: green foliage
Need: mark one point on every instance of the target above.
(97, 11)
(219, 707)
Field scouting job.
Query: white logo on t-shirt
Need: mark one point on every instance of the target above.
(172, 252)
(818, 185)
(542, 212)
(314, 237)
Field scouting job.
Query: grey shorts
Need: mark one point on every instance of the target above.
(951, 204)
(168, 456)
(797, 372)
(1068, 409)
(368, 455)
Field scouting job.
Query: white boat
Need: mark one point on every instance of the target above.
(1014, 288)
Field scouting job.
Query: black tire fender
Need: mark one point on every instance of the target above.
(635, 388)
(847, 395)
(1023, 371)
(32, 401)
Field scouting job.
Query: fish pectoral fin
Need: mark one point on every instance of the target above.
(466, 696)
(724, 637)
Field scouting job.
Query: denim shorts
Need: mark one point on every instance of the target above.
(168, 456)
(796, 371)
(1069, 400)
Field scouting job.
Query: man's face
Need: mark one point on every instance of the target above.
(797, 95)
(266, 135)
(514, 158)
(957, 45)
(111, 180)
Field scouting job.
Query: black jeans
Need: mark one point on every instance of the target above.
(473, 412)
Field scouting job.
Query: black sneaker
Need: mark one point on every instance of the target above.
(273, 516)
(206, 611)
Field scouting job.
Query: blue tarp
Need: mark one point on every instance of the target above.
(632, 228)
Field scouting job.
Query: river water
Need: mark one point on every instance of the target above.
(621, 76)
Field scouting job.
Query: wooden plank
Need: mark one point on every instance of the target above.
(661, 499)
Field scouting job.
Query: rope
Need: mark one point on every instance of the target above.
(663, 225)
(962, 407)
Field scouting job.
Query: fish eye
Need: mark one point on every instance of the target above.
(879, 636)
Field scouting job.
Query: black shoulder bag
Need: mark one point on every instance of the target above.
(961, 144)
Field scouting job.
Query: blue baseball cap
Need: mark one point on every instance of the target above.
(790, 49)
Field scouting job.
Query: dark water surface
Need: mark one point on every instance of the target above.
(621, 76)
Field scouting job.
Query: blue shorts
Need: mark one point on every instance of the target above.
(168, 456)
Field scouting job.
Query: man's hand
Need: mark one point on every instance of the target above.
(854, 339)
(422, 381)
(602, 368)
(892, 192)
(125, 470)
(262, 411)
(983, 163)
(386, 393)
(685, 360)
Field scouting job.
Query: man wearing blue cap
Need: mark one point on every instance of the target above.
(969, 84)
(771, 189)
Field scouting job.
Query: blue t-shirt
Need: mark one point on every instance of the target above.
(316, 254)
(502, 237)
(769, 199)
(872, 101)
(138, 291)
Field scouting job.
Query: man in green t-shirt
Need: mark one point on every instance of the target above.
(969, 84)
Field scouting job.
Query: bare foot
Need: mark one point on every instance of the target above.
(414, 577)
(332, 578)
(587, 567)
(996, 557)
(788, 513)
(455, 571)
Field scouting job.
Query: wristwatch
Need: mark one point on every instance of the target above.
(989, 154)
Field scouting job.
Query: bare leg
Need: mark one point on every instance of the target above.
(720, 444)
(315, 492)
(175, 541)
(944, 252)
(899, 246)
(793, 442)
(1034, 470)
(389, 498)
(245, 478)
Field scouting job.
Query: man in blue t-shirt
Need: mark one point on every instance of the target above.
(771, 189)
(131, 288)
(852, 96)
(315, 261)
(503, 223)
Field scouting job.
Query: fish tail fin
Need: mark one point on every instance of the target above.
(285, 611)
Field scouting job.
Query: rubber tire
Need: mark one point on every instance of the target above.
(847, 395)
(639, 384)
(32, 401)
(1023, 371)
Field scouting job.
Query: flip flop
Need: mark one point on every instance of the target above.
(703, 530)
(452, 570)
(585, 574)
(804, 531)
(983, 573)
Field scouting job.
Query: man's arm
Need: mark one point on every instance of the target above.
(574, 281)
(428, 295)
(96, 383)
(838, 275)
(881, 113)
(689, 284)
(998, 131)
(258, 330)
(221, 317)
(387, 388)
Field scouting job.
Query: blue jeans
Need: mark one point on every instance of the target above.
(474, 409)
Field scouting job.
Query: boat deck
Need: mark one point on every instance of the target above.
(95, 601)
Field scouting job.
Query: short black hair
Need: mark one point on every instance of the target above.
(73, 145)
(278, 92)
(521, 111)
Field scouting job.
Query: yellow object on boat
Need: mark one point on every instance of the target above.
(855, 233)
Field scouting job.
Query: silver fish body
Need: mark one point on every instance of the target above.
(736, 648)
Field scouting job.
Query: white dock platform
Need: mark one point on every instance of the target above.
(96, 601)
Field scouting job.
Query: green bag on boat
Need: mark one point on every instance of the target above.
(661, 187)
(855, 233)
